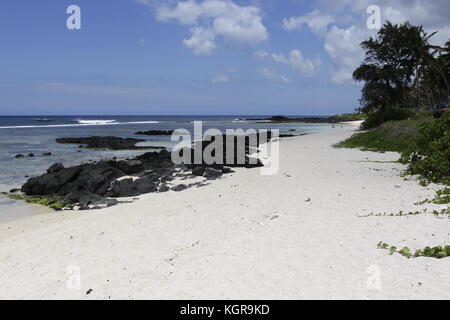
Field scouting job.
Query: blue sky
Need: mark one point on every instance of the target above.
(148, 57)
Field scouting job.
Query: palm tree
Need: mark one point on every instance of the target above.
(436, 75)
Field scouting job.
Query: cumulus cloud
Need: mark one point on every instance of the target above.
(209, 19)
(342, 26)
(316, 21)
(201, 42)
(297, 62)
(271, 75)
(220, 79)
(343, 47)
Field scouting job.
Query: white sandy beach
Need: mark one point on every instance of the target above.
(246, 236)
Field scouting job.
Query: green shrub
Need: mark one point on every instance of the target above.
(376, 118)
(429, 153)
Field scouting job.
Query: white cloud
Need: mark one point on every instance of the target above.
(238, 25)
(342, 26)
(343, 47)
(201, 42)
(315, 20)
(220, 79)
(297, 62)
(269, 74)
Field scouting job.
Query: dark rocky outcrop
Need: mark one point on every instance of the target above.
(123, 188)
(156, 132)
(198, 171)
(110, 143)
(212, 174)
(287, 135)
(87, 183)
(163, 188)
(145, 185)
(180, 187)
(55, 168)
(236, 151)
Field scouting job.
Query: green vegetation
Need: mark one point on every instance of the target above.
(402, 71)
(429, 151)
(51, 202)
(423, 142)
(350, 116)
(442, 197)
(377, 118)
(434, 252)
(390, 136)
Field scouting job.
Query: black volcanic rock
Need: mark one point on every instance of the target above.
(287, 135)
(180, 187)
(130, 166)
(198, 171)
(110, 143)
(55, 168)
(123, 188)
(145, 185)
(163, 188)
(155, 132)
(212, 174)
(236, 151)
(89, 184)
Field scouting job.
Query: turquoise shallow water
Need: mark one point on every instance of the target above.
(33, 134)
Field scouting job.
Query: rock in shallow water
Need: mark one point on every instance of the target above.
(111, 143)
(155, 132)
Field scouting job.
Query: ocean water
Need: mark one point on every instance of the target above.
(37, 134)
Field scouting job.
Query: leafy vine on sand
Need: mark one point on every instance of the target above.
(437, 252)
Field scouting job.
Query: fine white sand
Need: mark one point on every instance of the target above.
(246, 236)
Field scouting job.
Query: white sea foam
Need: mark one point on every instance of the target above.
(81, 123)
(100, 122)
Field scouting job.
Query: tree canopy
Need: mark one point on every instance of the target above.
(402, 69)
